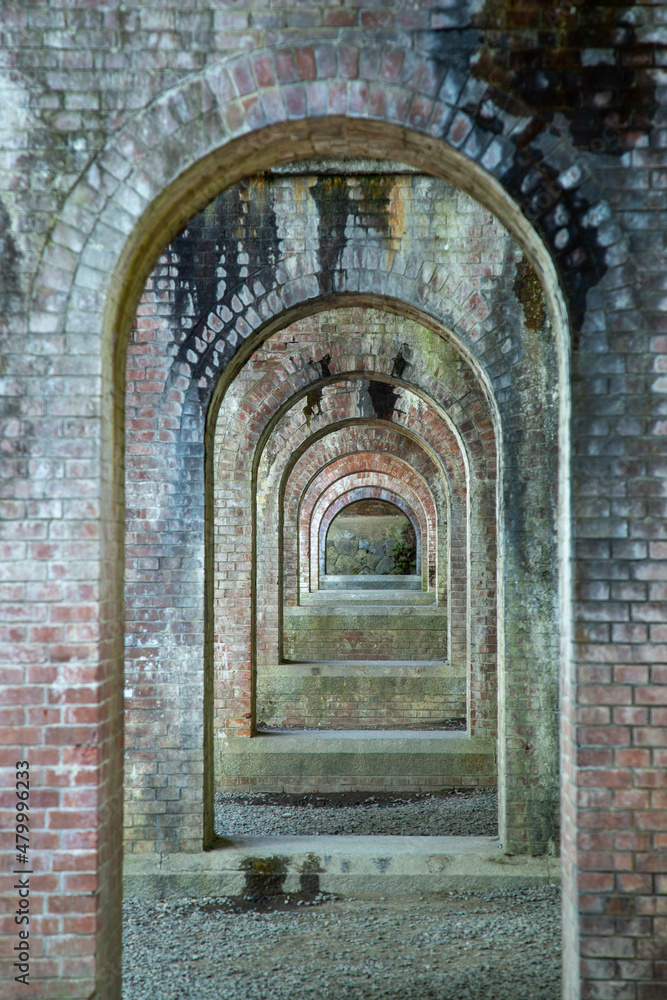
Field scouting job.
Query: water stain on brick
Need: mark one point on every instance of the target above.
(264, 877)
(331, 195)
(399, 362)
(313, 405)
(454, 44)
(360, 202)
(383, 399)
(235, 237)
(309, 879)
(323, 365)
(9, 272)
(562, 71)
(577, 60)
(375, 205)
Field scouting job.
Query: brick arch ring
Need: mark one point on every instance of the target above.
(453, 469)
(249, 112)
(344, 444)
(364, 493)
(256, 434)
(172, 158)
(395, 476)
(294, 535)
(317, 514)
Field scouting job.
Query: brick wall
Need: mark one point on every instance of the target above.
(360, 696)
(553, 109)
(365, 637)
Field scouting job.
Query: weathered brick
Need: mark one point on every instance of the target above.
(617, 431)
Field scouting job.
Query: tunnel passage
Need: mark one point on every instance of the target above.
(510, 123)
(346, 651)
(323, 380)
(365, 647)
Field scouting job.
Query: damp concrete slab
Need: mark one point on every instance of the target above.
(368, 596)
(364, 668)
(406, 758)
(420, 740)
(369, 581)
(322, 614)
(344, 865)
(317, 753)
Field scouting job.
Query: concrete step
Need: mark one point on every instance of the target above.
(384, 760)
(359, 866)
(360, 694)
(361, 598)
(365, 628)
(369, 581)
(339, 610)
(364, 668)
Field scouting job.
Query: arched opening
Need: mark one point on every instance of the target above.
(388, 542)
(371, 538)
(164, 219)
(258, 630)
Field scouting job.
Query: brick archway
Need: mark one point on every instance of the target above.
(353, 495)
(360, 486)
(138, 216)
(336, 470)
(343, 444)
(272, 393)
(248, 100)
(456, 113)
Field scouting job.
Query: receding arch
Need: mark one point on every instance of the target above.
(448, 482)
(400, 308)
(302, 390)
(121, 294)
(316, 508)
(338, 502)
(285, 403)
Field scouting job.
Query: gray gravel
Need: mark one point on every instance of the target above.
(498, 946)
(471, 814)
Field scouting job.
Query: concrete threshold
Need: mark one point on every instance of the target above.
(369, 581)
(359, 736)
(363, 668)
(341, 609)
(352, 866)
(406, 759)
(404, 598)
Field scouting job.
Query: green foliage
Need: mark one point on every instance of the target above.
(405, 553)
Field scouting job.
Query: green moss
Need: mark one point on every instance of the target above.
(528, 290)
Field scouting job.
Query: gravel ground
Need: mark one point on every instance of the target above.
(454, 946)
(471, 814)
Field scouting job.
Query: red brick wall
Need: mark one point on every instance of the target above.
(560, 107)
(368, 641)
